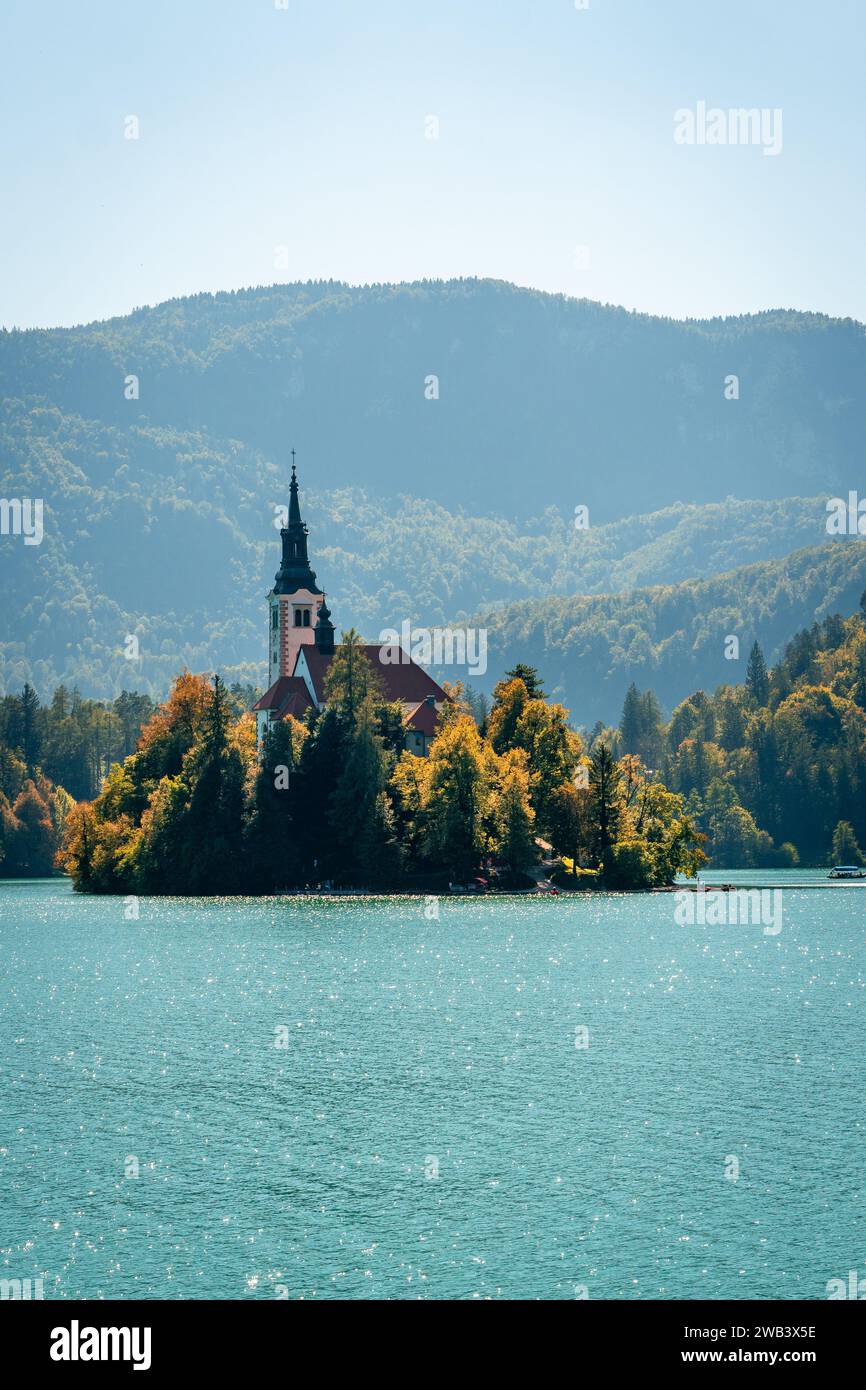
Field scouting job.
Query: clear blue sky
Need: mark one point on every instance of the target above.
(304, 127)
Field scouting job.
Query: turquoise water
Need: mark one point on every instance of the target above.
(420, 1047)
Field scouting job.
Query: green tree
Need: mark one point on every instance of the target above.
(845, 847)
(360, 813)
(605, 781)
(272, 857)
(30, 739)
(757, 680)
(530, 678)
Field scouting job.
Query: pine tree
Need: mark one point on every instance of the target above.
(631, 722)
(757, 680)
(351, 678)
(358, 813)
(30, 739)
(530, 678)
(510, 698)
(604, 783)
(321, 762)
(212, 825)
(272, 857)
(568, 821)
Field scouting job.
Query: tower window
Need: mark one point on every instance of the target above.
(275, 617)
(306, 617)
(297, 617)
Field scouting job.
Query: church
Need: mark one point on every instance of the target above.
(301, 648)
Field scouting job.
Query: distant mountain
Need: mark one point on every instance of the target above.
(542, 400)
(672, 638)
(170, 536)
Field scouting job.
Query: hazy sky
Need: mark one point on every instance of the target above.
(305, 128)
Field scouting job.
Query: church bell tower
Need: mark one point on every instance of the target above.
(295, 599)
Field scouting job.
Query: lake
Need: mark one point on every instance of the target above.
(525, 1098)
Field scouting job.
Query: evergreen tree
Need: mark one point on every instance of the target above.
(604, 781)
(30, 740)
(757, 680)
(351, 678)
(568, 821)
(510, 698)
(272, 856)
(530, 678)
(360, 814)
(631, 722)
(321, 763)
(215, 821)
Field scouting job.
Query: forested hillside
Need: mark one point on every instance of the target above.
(543, 400)
(673, 637)
(170, 537)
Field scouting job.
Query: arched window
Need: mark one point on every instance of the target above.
(297, 617)
(306, 617)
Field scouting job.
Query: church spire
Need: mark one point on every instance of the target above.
(294, 505)
(294, 572)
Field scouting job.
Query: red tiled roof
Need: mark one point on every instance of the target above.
(297, 704)
(407, 681)
(287, 695)
(424, 718)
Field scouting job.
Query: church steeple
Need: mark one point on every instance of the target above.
(294, 505)
(294, 572)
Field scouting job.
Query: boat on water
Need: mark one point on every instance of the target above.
(847, 871)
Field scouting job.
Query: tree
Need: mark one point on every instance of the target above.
(552, 751)
(30, 853)
(351, 678)
(515, 817)
(273, 858)
(604, 781)
(757, 680)
(75, 856)
(459, 790)
(845, 847)
(510, 698)
(360, 812)
(530, 678)
(322, 759)
(30, 740)
(569, 821)
(631, 722)
(212, 825)
(409, 788)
